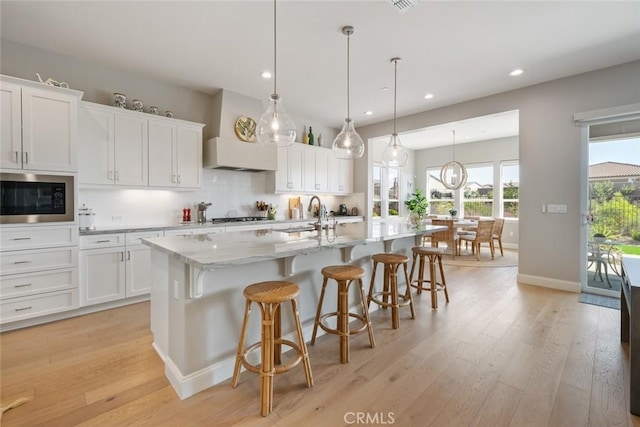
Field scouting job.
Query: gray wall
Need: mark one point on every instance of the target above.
(551, 159)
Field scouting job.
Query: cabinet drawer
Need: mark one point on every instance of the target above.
(32, 283)
(38, 237)
(38, 305)
(136, 237)
(38, 260)
(102, 241)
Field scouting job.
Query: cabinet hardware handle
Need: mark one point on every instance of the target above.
(17, 160)
(22, 262)
(179, 179)
(23, 308)
(25, 157)
(173, 179)
(103, 241)
(121, 256)
(22, 238)
(117, 175)
(128, 255)
(110, 175)
(22, 286)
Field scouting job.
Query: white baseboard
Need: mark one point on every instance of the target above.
(546, 282)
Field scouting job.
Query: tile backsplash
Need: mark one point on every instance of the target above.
(231, 193)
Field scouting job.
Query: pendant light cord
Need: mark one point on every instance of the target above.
(454, 145)
(395, 95)
(275, 44)
(348, 56)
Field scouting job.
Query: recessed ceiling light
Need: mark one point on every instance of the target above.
(385, 88)
(428, 96)
(516, 72)
(467, 137)
(368, 113)
(266, 75)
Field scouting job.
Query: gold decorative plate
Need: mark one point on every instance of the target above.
(246, 129)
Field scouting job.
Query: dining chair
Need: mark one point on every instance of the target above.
(483, 234)
(497, 232)
(449, 236)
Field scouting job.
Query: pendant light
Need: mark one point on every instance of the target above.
(395, 155)
(275, 125)
(453, 174)
(348, 144)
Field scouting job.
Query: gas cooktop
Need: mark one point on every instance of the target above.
(238, 219)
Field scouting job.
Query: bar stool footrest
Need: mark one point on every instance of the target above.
(353, 331)
(402, 299)
(278, 369)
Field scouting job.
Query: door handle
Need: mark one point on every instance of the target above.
(17, 154)
(121, 256)
(23, 308)
(128, 255)
(22, 238)
(22, 286)
(25, 157)
(22, 262)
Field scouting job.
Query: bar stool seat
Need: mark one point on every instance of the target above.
(435, 260)
(344, 275)
(391, 264)
(269, 296)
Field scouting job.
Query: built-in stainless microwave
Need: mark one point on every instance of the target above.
(32, 198)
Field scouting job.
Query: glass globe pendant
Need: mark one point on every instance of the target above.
(275, 125)
(453, 175)
(395, 155)
(348, 144)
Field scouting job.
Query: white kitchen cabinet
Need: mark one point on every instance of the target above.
(39, 126)
(289, 177)
(340, 175)
(113, 147)
(316, 169)
(114, 266)
(38, 271)
(175, 155)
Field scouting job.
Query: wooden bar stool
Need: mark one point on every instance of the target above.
(435, 261)
(344, 275)
(391, 264)
(269, 296)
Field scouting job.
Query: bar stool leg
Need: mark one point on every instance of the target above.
(386, 283)
(444, 282)
(319, 311)
(421, 275)
(343, 320)
(267, 369)
(303, 347)
(408, 291)
(434, 285)
(393, 283)
(413, 267)
(371, 286)
(236, 369)
(277, 334)
(365, 314)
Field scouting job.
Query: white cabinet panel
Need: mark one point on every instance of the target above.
(39, 126)
(33, 283)
(138, 271)
(96, 146)
(162, 154)
(38, 305)
(37, 237)
(131, 150)
(102, 241)
(38, 260)
(102, 275)
(189, 157)
(135, 238)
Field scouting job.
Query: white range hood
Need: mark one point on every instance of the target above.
(232, 154)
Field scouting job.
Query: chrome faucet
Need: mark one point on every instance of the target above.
(322, 211)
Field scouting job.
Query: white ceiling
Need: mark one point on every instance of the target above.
(456, 50)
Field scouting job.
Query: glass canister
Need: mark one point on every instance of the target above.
(86, 218)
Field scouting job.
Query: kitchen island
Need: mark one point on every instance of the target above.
(197, 283)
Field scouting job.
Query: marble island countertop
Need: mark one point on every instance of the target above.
(210, 251)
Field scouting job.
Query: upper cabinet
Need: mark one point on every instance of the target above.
(125, 148)
(38, 126)
(311, 169)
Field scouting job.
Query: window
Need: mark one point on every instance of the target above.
(387, 199)
(440, 198)
(510, 184)
(478, 192)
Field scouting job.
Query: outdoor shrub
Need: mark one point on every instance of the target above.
(635, 235)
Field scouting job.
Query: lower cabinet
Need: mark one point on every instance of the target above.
(114, 267)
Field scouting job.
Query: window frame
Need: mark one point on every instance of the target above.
(503, 200)
(385, 200)
(492, 200)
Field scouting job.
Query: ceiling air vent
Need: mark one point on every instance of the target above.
(403, 6)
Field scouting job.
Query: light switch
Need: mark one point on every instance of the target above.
(557, 209)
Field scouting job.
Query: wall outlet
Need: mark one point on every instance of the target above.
(117, 218)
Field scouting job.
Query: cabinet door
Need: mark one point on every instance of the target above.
(138, 276)
(49, 130)
(322, 170)
(102, 275)
(10, 127)
(346, 175)
(309, 170)
(282, 172)
(296, 167)
(189, 157)
(131, 150)
(96, 146)
(162, 155)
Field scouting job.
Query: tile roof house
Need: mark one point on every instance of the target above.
(618, 173)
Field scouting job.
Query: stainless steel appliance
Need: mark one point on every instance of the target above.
(33, 198)
(202, 212)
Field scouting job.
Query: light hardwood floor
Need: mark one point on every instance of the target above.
(499, 354)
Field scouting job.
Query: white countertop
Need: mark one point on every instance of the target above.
(211, 251)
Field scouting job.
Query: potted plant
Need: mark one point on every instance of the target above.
(417, 206)
(453, 213)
